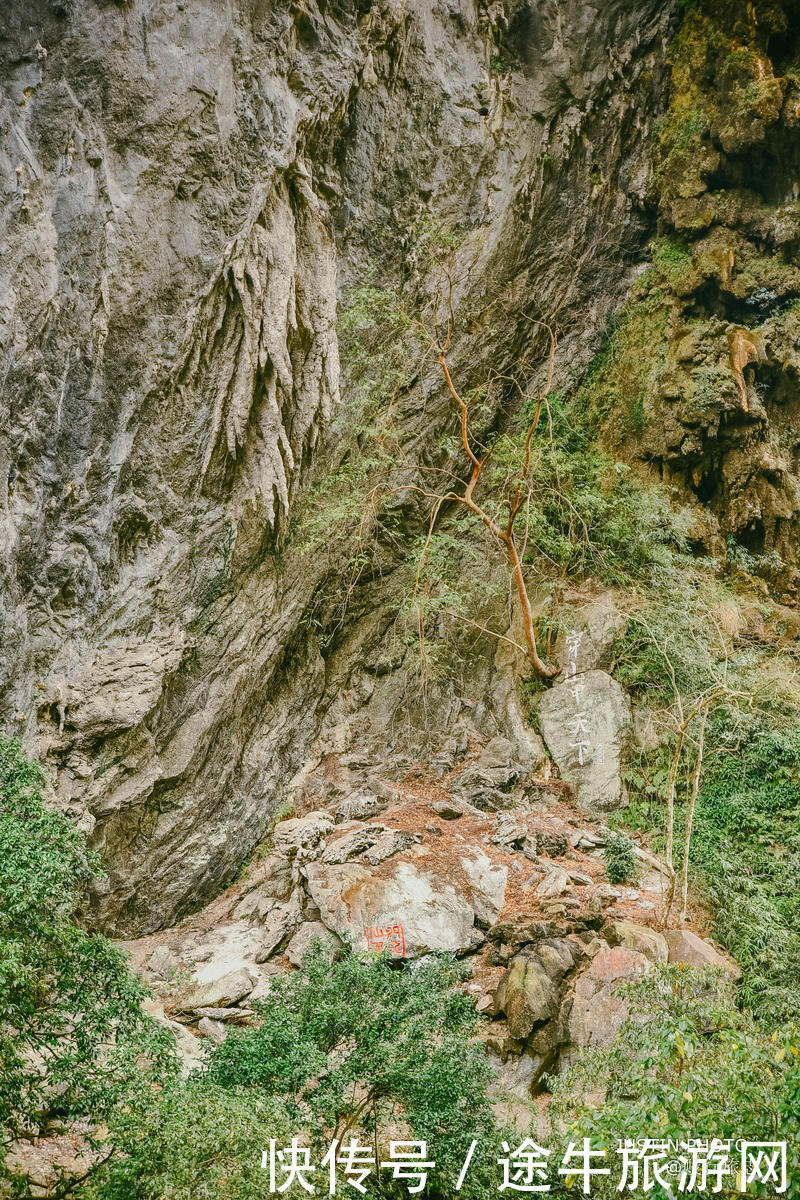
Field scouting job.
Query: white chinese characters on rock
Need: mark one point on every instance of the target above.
(686, 1167)
(579, 727)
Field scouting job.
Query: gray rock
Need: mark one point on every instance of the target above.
(487, 881)
(431, 912)
(447, 809)
(214, 1030)
(169, 399)
(586, 723)
(307, 934)
(488, 782)
(359, 807)
(234, 1015)
(278, 927)
(350, 845)
(222, 992)
(554, 884)
(641, 938)
(588, 645)
(687, 947)
(527, 996)
(163, 963)
(392, 841)
(303, 835)
(598, 1010)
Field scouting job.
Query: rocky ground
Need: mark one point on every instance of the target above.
(489, 861)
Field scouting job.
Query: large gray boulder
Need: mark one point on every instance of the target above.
(586, 722)
(408, 908)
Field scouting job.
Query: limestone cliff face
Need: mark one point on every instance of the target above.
(708, 356)
(186, 191)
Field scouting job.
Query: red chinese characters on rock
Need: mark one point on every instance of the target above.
(392, 938)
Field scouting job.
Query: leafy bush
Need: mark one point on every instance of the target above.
(365, 1044)
(362, 1047)
(193, 1142)
(74, 1041)
(685, 1061)
(745, 847)
(619, 858)
(589, 514)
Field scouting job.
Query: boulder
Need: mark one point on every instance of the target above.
(527, 996)
(488, 884)
(212, 1029)
(642, 939)
(588, 646)
(222, 992)
(686, 947)
(163, 963)
(188, 1046)
(236, 1015)
(391, 841)
(598, 1010)
(430, 911)
(547, 839)
(302, 834)
(307, 934)
(447, 809)
(488, 782)
(515, 1075)
(557, 956)
(359, 807)
(351, 844)
(274, 876)
(278, 926)
(586, 722)
(554, 884)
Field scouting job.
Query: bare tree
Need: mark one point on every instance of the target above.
(502, 528)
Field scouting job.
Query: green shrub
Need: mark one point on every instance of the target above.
(686, 1061)
(367, 1043)
(193, 1142)
(619, 858)
(74, 1042)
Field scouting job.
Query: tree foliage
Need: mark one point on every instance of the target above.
(74, 1042)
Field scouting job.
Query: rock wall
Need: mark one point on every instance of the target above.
(185, 189)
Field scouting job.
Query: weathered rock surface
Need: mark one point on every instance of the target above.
(527, 996)
(687, 947)
(586, 722)
(434, 913)
(640, 938)
(598, 1010)
(307, 935)
(222, 992)
(188, 192)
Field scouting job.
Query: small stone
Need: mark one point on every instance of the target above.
(555, 883)
(214, 1030)
(579, 879)
(448, 810)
